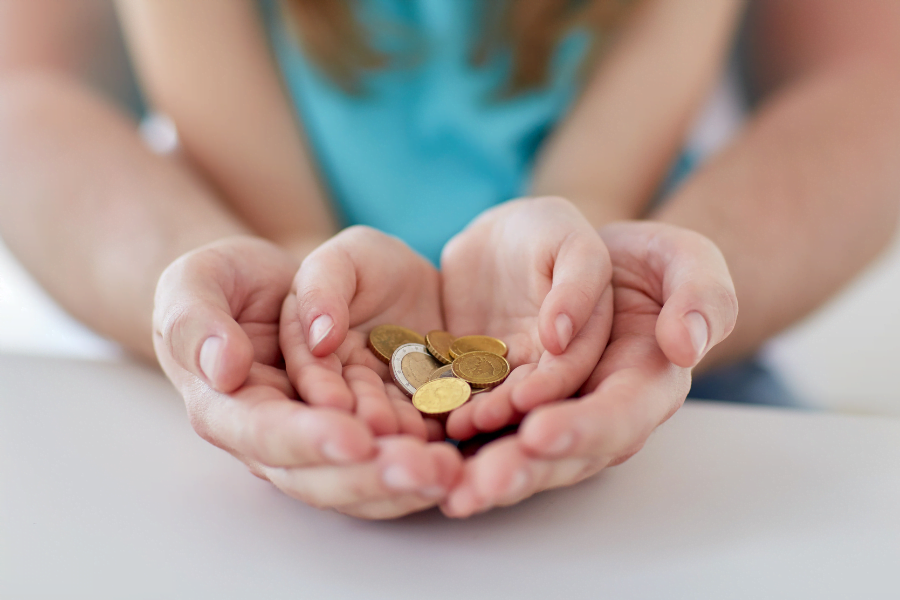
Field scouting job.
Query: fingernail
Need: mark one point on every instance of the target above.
(319, 330)
(698, 330)
(564, 329)
(562, 444)
(399, 478)
(518, 484)
(209, 357)
(335, 453)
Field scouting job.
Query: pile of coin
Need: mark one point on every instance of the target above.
(439, 372)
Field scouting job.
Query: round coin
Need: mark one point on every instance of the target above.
(438, 343)
(384, 339)
(442, 372)
(440, 396)
(411, 365)
(477, 343)
(481, 369)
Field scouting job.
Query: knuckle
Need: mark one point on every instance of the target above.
(584, 295)
(172, 323)
(725, 306)
(356, 490)
(297, 485)
(257, 471)
(731, 301)
(361, 234)
(307, 298)
(312, 499)
(256, 435)
(168, 281)
(199, 420)
(316, 502)
(618, 460)
(591, 468)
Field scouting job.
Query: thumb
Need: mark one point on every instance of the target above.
(324, 287)
(698, 314)
(581, 272)
(194, 327)
(699, 305)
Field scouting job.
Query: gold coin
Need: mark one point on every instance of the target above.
(447, 371)
(385, 339)
(442, 372)
(440, 396)
(411, 365)
(438, 343)
(481, 369)
(477, 343)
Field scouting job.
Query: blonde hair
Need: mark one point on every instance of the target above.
(337, 42)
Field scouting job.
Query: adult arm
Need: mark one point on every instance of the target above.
(89, 210)
(807, 193)
(92, 213)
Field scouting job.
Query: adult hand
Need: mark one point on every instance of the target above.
(535, 274)
(216, 324)
(674, 300)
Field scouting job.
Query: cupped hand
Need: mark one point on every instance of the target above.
(216, 335)
(674, 300)
(360, 278)
(535, 274)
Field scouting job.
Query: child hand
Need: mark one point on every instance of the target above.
(535, 274)
(357, 280)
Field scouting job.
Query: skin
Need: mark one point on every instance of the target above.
(535, 274)
(239, 397)
(800, 203)
(357, 280)
(660, 274)
(546, 292)
(802, 199)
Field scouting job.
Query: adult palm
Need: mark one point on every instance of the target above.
(216, 326)
(674, 300)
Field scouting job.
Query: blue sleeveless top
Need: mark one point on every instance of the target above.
(427, 145)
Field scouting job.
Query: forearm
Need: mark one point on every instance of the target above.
(803, 200)
(611, 153)
(92, 213)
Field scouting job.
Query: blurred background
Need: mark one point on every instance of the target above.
(845, 357)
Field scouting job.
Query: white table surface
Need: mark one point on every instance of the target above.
(105, 492)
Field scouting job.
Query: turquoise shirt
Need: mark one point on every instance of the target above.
(426, 146)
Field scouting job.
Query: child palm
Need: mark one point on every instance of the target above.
(357, 280)
(535, 274)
